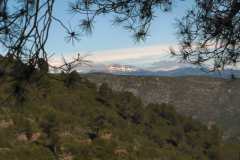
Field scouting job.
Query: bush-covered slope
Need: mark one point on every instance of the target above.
(209, 100)
(65, 117)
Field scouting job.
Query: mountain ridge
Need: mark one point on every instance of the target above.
(130, 70)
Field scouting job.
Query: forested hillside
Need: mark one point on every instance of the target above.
(65, 117)
(209, 100)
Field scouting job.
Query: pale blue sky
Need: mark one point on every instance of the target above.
(108, 37)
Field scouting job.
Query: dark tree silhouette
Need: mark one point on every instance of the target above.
(24, 31)
(25, 24)
(135, 15)
(24, 28)
(210, 33)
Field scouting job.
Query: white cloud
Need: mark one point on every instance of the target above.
(153, 58)
(130, 54)
(141, 56)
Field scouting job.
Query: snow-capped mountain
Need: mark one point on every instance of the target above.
(183, 71)
(118, 68)
(170, 70)
(112, 69)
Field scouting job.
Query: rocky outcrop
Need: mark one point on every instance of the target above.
(120, 152)
(23, 137)
(6, 123)
(105, 135)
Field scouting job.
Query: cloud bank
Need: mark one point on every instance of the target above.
(130, 54)
(149, 57)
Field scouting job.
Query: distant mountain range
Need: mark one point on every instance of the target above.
(118, 69)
